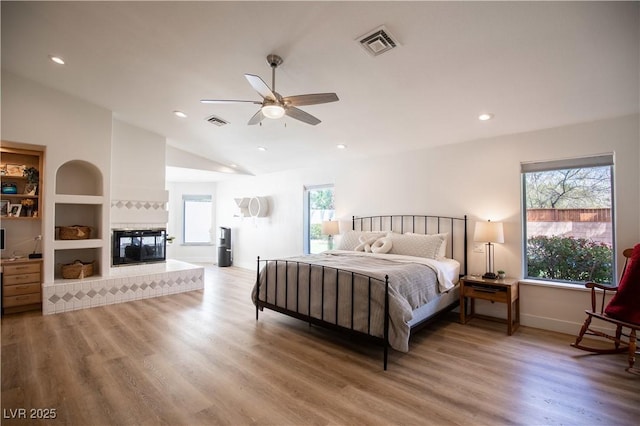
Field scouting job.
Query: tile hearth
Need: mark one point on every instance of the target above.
(125, 284)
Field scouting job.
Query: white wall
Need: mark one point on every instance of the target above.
(177, 250)
(137, 178)
(479, 178)
(278, 234)
(68, 129)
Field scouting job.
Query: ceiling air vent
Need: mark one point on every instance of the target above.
(217, 121)
(377, 41)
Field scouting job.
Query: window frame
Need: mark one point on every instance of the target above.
(306, 214)
(204, 198)
(602, 160)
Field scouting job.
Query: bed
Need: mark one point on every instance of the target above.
(388, 276)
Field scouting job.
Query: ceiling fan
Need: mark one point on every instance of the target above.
(273, 104)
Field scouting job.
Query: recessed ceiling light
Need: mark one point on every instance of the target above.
(485, 116)
(341, 146)
(180, 114)
(233, 165)
(262, 148)
(57, 59)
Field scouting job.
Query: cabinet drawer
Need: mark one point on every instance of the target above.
(16, 290)
(21, 268)
(496, 295)
(20, 279)
(24, 299)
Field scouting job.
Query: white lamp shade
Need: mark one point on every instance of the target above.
(273, 111)
(330, 227)
(489, 232)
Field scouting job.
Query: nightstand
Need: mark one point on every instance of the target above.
(501, 290)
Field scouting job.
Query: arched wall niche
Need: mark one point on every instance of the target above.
(78, 177)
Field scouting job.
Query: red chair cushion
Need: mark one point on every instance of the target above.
(625, 304)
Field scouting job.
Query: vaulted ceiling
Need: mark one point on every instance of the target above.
(533, 65)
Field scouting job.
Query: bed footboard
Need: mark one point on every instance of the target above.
(324, 296)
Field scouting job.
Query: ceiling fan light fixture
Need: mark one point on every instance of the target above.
(273, 111)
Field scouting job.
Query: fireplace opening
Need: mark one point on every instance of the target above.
(130, 247)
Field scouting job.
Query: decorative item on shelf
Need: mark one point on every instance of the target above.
(33, 177)
(75, 232)
(330, 228)
(489, 232)
(3, 169)
(9, 188)
(501, 274)
(35, 254)
(14, 210)
(77, 270)
(15, 170)
(28, 205)
(4, 208)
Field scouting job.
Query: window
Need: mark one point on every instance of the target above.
(318, 207)
(568, 220)
(197, 219)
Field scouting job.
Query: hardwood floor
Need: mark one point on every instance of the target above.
(201, 358)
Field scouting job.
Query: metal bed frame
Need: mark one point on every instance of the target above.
(399, 223)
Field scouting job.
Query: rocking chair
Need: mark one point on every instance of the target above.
(623, 311)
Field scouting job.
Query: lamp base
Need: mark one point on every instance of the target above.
(490, 276)
(35, 255)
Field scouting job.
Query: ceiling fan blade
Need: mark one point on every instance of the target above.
(311, 99)
(260, 86)
(299, 114)
(257, 118)
(227, 101)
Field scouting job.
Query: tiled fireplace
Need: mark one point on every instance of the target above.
(131, 277)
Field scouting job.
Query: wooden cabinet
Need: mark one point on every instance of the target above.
(501, 290)
(21, 285)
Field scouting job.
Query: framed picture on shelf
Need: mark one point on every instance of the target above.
(15, 209)
(15, 170)
(4, 208)
(30, 189)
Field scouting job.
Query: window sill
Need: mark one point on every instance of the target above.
(551, 284)
(198, 244)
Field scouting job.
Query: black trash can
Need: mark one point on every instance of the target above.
(224, 247)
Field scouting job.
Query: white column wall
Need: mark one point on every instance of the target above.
(138, 194)
(70, 129)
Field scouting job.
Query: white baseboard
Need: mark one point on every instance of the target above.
(557, 325)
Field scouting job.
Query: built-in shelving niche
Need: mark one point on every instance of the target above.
(78, 178)
(79, 214)
(68, 256)
(79, 200)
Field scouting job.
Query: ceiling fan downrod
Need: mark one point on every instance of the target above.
(274, 61)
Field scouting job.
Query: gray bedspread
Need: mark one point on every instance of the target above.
(410, 285)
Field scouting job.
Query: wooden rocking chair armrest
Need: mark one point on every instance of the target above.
(605, 288)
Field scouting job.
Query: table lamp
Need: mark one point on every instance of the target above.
(330, 228)
(489, 232)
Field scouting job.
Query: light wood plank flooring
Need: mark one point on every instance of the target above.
(200, 358)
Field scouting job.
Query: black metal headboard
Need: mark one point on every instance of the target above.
(456, 227)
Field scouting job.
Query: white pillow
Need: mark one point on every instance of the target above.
(365, 242)
(382, 245)
(351, 239)
(442, 253)
(416, 245)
